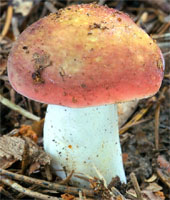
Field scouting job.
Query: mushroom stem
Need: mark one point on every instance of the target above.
(80, 138)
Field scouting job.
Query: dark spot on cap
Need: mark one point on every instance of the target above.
(83, 85)
(74, 100)
(64, 93)
(94, 26)
(25, 47)
(36, 76)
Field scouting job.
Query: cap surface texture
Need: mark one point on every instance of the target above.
(85, 55)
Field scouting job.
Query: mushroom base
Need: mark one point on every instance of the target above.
(85, 140)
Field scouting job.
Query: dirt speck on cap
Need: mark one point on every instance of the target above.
(41, 61)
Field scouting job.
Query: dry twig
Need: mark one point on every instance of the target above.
(165, 35)
(162, 4)
(24, 190)
(48, 173)
(136, 123)
(136, 186)
(101, 2)
(46, 184)
(166, 54)
(21, 195)
(157, 114)
(17, 108)
(25, 158)
(67, 179)
(135, 118)
(164, 28)
(50, 7)
(7, 22)
(164, 44)
(15, 27)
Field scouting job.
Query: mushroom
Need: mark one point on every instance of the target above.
(82, 61)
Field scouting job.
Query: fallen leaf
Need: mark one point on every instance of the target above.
(149, 195)
(132, 193)
(37, 154)
(12, 150)
(154, 187)
(11, 147)
(5, 163)
(164, 176)
(119, 198)
(151, 179)
(160, 194)
(67, 197)
(35, 166)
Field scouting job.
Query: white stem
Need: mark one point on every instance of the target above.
(80, 138)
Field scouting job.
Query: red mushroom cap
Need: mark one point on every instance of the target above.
(86, 55)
